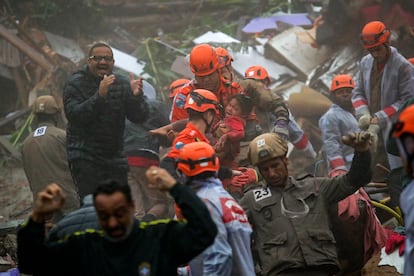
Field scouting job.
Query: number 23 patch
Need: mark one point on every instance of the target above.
(262, 193)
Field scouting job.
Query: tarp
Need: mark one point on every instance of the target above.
(260, 24)
(215, 37)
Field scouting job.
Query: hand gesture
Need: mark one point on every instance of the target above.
(136, 85)
(104, 85)
(49, 200)
(219, 146)
(360, 141)
(159, 178)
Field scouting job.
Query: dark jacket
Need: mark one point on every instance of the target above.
(157, 247)
(79, 220)
(95, 124)
(137, 140)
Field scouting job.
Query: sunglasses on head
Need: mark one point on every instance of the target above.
(370, 39)
(99, 58)
(199, 100)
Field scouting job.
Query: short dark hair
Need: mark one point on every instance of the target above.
(111, 186)
(99, 44)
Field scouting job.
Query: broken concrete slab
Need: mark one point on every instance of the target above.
(286, 49)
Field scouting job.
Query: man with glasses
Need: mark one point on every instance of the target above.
(291, 230)
(385, 80)
(96, 103)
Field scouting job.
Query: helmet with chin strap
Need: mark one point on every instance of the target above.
(201, 100)
(196, 158)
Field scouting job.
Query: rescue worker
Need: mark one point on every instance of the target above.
(202, 107)
(96, 103)
(179, 100)
(354, 214)
(256, 85)
(206, 66)
(403, 132)
(124, 246)
(291, 230)
(230, 254)
(44, 154)
(385, 80)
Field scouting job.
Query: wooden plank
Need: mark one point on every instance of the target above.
(25, 48)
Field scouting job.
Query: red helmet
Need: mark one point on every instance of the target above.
(224, 56)
(196, 158)
(203, 60)
(201, 100)
(340, 81)
(374, 34)
(176, 85)
(257, 72)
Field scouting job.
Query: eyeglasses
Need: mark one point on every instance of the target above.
(99, 58)
(370, 39)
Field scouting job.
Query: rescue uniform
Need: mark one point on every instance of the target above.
(335, 123)
(154, 248)
(230, 254)
(407, 205)
(291, 229)
(45, 161)
(188, 135)
(395, 85)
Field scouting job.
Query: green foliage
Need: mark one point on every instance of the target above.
(69, 18)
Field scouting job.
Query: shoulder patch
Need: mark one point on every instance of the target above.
(40, 131)
(261, 193)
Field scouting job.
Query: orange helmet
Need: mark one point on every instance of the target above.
(405, 123)
(403, 131)
(176, 85)
(203, 60)
(224, 56)
(196, 158)
(411, 60)
(340, 81)
(374, 34)
(201, 100)
(257, 72)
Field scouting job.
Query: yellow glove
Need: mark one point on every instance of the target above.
(360, 141)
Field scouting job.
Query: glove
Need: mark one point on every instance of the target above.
(394, 241)
(238, 182)
(364, 121)
(360, 141)
(250, 172)
(374, 129)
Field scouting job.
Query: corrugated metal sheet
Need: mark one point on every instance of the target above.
(9, 55)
